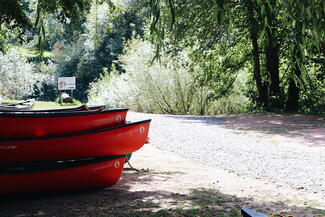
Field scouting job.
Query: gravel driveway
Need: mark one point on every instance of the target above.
(205, 139)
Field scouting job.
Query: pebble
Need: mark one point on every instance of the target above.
(204, 139)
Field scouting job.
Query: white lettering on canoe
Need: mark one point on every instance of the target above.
(8, 147)
(141, 129)
(117, 164)
(118, 119)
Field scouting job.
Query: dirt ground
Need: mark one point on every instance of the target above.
(294, 128)
(170, 185)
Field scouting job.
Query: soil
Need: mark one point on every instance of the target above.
(294, 128)
(169, 185)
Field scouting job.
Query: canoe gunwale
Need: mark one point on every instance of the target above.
(20, 114)
(49, 166)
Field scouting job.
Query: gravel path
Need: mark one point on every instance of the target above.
(204, 139)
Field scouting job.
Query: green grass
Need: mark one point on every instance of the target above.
(195, 212)
(319, 212)
(33, 53)
(39, 105)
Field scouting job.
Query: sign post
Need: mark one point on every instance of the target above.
(67, 83)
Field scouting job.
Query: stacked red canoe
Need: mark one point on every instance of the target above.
(67, 149)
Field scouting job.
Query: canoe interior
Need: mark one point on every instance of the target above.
(75, 109)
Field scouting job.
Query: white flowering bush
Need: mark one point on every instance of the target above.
(150, 87)
(45, 85)
(17, 77)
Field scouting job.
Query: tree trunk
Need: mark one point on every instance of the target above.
(272, 67)
(253, 25)
(293, 92)
(294, 87)
(272, 51)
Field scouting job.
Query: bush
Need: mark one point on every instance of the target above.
(45, 89)
(18, 78)
(168, 87)
(16, 75)
(107, 30)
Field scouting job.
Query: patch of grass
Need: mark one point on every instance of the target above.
(74, 102)
(40, 105)
(208, 198)
(32, 53)
(195, 212)
(319, 212)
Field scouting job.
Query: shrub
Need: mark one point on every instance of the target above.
(18, 78)
(168, 87)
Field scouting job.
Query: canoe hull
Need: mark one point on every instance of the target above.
(118, 140)
(25, 125)
(92, 176)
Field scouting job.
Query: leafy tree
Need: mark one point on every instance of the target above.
(13, 14)
(280, 33)
(108, 29)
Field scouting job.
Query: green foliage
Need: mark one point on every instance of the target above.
(12, 14)
(69, 58)
(278, 39)
(145, 87)
(17, 77)
(3, 43)
(108, 30)
(46, 88)
(168, 87)
(67, 12)
(278, 45)
(312, 98)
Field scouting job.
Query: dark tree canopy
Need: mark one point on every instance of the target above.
(281, 38)
(67, 9)
(12, 11)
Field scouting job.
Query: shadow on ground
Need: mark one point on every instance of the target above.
(309, 129)
(120, 200)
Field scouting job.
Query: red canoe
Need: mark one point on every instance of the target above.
(61, 176)
(41, 124)
(25, 105)
(117, 140)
